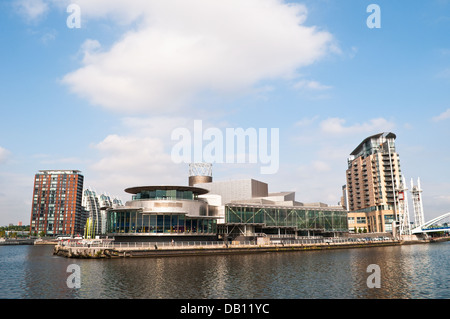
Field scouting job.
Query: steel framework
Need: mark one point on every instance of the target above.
(416, 192)
(427, 227)
(200, 169)
(403, 210)
(298, 218)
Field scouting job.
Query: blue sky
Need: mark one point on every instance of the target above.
(105, 98)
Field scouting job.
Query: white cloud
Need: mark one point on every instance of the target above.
(315, 181)
(50, 160)
(31, 10)
(321, 166)
(127, 161)
(436, 198)
(141, 155)
(444, 73)
(337, 126)
(311, 85)
(48, 36)
(157, 126)
(325, 145)
(130, 155)
(443, 116)
(353, 52)
(16, 190)
(306, 121)
(4, 154)
(88, 48)
(180, 49)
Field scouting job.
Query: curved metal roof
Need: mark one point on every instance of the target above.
(138, 189)
(385, 134)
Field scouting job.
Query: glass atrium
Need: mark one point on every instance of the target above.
(297, 218)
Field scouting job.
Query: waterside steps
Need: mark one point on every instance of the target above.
(124, 250)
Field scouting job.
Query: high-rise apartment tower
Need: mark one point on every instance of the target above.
(56, 208)
(373, 177)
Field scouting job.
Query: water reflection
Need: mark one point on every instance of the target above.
(416, 271)
(45, 275)
(406, 271)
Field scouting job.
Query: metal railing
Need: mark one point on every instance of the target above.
(220, 244)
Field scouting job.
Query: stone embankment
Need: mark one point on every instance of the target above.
(135, 250)
(45, 242)
(16, 241)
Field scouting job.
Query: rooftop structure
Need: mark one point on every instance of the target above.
(142, 192)
(200, 173)
(374, 144)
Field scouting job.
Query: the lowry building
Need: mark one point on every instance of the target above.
(162, 213)
(228, 210)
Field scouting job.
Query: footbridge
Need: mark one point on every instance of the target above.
(441, 223)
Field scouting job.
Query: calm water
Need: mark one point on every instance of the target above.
(417, 271)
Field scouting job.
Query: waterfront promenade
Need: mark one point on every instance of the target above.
(165, 249)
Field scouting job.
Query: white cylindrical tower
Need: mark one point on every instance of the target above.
(416, 192)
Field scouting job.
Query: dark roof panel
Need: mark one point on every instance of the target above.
(138, 189)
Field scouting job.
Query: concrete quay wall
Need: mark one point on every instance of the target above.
(16, 242)
(168, 251)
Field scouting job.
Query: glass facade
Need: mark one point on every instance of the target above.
(298, 218)
(137, 222)
(388, 220)
(171, 194)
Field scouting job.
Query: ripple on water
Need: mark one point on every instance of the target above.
(416, 271)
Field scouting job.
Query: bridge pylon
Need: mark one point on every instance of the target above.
(403, 210)
(416, 192)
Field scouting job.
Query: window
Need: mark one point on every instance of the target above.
(159, 223)
(167, 225)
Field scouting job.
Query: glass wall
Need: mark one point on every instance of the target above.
(388, 220)
(165, 194)
(302, 219)
(134, 221)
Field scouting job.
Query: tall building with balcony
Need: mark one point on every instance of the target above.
(96, 206)
(373, 175)
(56, 207)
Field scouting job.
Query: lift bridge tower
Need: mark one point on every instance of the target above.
(404, 226)
(416, 192)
